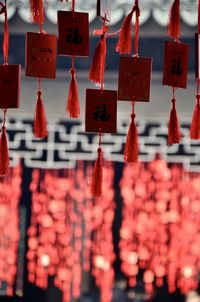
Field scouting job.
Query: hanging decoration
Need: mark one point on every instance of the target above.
(195, 124)
(101, 105)
(134, 79)
(103, 255)
(40, 63)
(10, 92)
(156, 195)
(73, 40)
(10, 194)
(175, 69)
(60, 230)
(101, 117)
(63, 218)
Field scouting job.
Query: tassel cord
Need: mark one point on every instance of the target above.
(73, 6)
(199, 16)
(4, 153)
(73, 107)
(3, 10)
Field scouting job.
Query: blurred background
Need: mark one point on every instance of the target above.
(85, 261)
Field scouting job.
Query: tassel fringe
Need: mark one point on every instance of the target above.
(195, 125)
(97, 178)
(131, 146)
(40, 122)
(174, 130)
(73, 107)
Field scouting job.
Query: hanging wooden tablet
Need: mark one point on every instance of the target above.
(195, 124)
(101, 111)
(37, 16)
(10, 86)
(73, 34)
(10, 90)
(134, 79)
(101, 105)
(175, 69)
(73, 40)
(176, 58)
(40, 55)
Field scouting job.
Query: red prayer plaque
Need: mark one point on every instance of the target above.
(73, 34)
(197, 55)
(175, 64)
(101, 111)
(104, 9)
(40, 55)
(134, 79)
(10, 86)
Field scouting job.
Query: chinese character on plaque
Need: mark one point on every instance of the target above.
(10, 86)
(73, 34)
(134, 79)
(175, 64)
(101, 111)
(40, 55)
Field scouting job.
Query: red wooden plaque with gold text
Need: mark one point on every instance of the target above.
(40, 55)
(73, 34)
(101, 111)
(134, 79)
(175, 64)
(9, 86)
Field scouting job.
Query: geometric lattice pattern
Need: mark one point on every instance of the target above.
(68, 142)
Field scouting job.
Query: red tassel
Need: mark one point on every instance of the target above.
(124, 44)
(131, 146)
(73, 107)
(37, 11)
(174, 131)
(40, 122)
(4, 154)
(96, 187)
(98, 64)
(174, 20)
(195, 126)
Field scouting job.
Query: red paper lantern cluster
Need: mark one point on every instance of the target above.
(160, 232)
(62, 220)
(10, 193)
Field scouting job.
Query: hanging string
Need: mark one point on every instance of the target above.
(4, 154)
(199, 16)
(73, 6)
(124, 44)
(97, 178)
